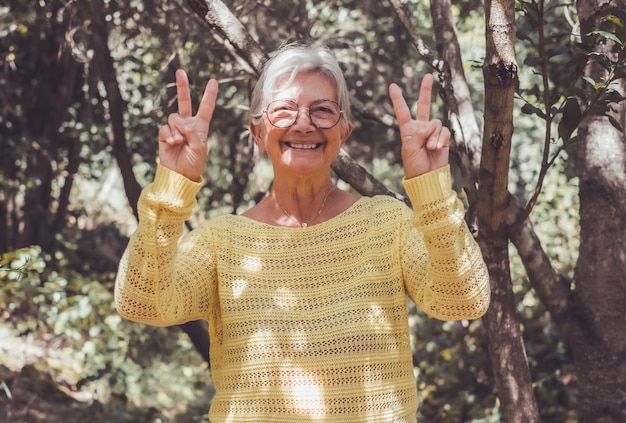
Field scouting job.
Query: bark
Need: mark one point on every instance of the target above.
(348, 170)
(466, 131)
(103, 67)
(221, 19)
(69, 174)
(589, 310)
(600, 350)
(198, 332)
(506, 345)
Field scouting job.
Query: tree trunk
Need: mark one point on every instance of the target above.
(599, 347)
(103, 66)
(506, 345)
(466, 131)
(49, 83)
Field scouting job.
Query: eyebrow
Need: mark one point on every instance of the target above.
(294, 101)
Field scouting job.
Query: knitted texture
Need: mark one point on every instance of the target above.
(306, 323)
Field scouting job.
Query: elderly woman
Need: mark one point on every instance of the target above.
(305, 293)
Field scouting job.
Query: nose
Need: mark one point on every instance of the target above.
(303, 120)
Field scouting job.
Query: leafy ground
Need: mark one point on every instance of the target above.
(30, 392)
(67, 356)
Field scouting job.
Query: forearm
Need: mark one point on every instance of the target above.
(148, 269)
(455, 282)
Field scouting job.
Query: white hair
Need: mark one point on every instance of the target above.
(291, 60)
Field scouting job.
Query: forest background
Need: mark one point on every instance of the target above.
(533, 91)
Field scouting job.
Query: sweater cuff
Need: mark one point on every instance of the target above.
(429, 187)
(173, 188)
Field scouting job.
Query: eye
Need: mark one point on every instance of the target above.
(324, 108)
(321, 109)
(282, 106)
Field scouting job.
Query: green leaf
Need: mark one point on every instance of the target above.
(607, 35)
(615, 123)
(591, 82)
(529, 109)
(570, 120)
(602, 59)
(525, 37)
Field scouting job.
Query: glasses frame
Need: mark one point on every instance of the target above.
(308, 109)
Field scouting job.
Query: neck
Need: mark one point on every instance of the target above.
(303, 204)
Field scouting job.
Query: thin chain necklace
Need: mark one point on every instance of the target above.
(306, 224)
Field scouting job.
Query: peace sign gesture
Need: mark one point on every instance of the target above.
(183, 141)
(425, 143)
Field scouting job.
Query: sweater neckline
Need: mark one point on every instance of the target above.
(258, 223)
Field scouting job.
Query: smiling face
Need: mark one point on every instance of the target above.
(302, 148)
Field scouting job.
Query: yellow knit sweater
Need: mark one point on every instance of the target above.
(306, 324)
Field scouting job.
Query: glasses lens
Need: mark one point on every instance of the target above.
(324, 113)
(282, 113)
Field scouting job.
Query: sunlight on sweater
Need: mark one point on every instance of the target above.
(306, 394)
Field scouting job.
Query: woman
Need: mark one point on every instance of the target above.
(305, 293)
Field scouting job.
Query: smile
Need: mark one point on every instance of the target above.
(297, 146)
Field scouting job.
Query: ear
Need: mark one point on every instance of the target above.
(256, 131)
(346, 130)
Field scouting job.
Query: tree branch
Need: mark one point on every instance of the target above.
(360, 179)
(220, 18)
(104, 69)
(466, 137)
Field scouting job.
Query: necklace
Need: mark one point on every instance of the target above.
(306, 224)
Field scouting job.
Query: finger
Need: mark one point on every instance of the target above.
(444, 138)
(182, 93)
(400, 108)
(439, 140)
(207, 105)
(177, 127)
(424, 99)
(165, 135)
(434, 135)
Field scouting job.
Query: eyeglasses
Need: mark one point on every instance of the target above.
(324, 114)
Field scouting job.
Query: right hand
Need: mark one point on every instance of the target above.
(183, 141)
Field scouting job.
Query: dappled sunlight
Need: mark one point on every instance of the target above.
(302, 351)
(376, 317)
(285, 299)
(303, 392)
(238, 286)
(251, 263)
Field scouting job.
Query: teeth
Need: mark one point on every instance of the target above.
(302, 146)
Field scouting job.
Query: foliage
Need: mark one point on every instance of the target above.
(89, 347)
(56, 296)
(558, 95)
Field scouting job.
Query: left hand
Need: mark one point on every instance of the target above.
(425, 141)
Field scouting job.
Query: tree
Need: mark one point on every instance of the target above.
(506, 345)
(96, 92)
(596, 305)
(510, 365)
(37, 144)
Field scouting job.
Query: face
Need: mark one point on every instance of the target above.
(302, 148)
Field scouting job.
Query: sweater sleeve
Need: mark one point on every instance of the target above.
(444, 272)
(163, 280)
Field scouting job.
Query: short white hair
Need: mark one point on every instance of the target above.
(291, 60)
